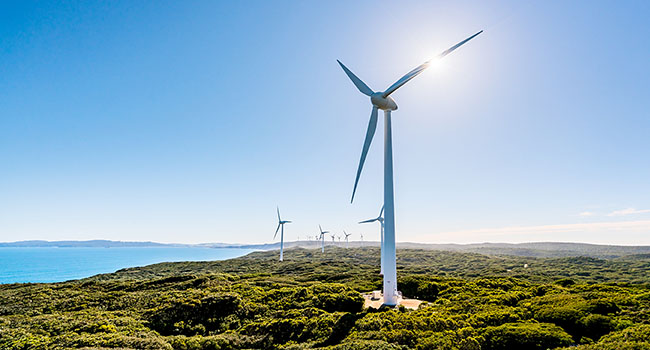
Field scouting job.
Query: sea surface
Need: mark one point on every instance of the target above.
(62, 264)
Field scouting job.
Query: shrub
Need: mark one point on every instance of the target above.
(191, 316)
(524, 336)
(595, 326)
(419, 287)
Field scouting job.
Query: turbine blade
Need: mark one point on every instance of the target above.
(417, 70)
(449, 50)
(278, 214)
(276, 231)
(367, 221)
(370, 133)
(405, 79)
(357, 82)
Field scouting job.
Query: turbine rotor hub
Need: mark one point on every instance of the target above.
(383, 103)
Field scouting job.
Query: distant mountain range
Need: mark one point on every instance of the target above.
(98, 243)
(539, 249)
(535, 249)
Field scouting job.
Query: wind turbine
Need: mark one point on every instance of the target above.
(383, 101)
(281, 224)
(380, 218)
(347, 243)
(361, 234)
(333, 237)
(322, 239)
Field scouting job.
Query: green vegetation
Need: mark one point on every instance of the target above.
(313, 300)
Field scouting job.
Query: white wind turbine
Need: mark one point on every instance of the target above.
(281, 225)
(380, 218)
(322, 239)
(347, 243)
(383, 101)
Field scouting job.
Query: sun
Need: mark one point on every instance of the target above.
(437, 64)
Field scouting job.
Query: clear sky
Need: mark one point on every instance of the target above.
(190, 121)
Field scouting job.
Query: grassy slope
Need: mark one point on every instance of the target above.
(312, 300)
(359, 266)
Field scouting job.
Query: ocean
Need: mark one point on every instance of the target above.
(62, 264)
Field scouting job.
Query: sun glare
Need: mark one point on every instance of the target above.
(437, 64)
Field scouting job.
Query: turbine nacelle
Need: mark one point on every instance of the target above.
(384, 103)
(322, 233)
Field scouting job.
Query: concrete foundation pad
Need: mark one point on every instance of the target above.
(412, 304)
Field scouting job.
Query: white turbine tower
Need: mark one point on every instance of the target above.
(347, 243)
(383, 101)
(281, 225)
(322, 239)
(380, 218)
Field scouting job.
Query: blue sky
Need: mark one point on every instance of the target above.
(191, 121)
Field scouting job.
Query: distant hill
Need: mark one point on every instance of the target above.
(538, 249)
(99, 243)
(102, 243)
(534, 249)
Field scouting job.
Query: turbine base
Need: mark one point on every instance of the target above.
(375, 300)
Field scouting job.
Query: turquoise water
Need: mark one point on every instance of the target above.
(62, 264)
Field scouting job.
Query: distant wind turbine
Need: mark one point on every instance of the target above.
(322, 239)
(383, 101)
(281, 225)
(380, 219)
(347, 243)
